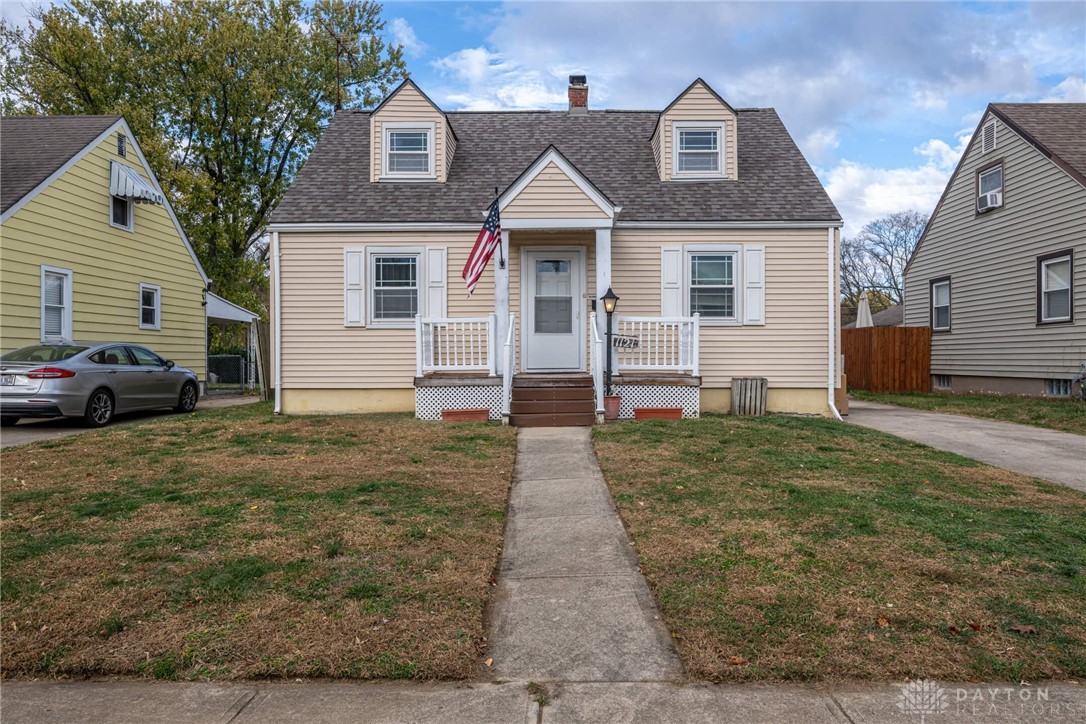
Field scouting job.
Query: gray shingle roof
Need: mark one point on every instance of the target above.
(33, 147)
(611, 149)
(1059, 128)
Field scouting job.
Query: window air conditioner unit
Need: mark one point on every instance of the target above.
(989, 201)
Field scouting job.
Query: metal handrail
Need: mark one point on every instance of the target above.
(509, 366)
(596, 363)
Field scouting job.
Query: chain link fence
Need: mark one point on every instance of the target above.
(229, 372)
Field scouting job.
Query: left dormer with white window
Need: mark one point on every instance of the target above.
(410, 138)
(696, 138)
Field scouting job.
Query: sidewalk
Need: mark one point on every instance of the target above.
(571, 604)
(1034, 451)
(511, 703)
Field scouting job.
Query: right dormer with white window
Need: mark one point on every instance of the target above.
(410, 138)
(696, 137)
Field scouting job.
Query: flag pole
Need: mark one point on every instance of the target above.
(501, 252)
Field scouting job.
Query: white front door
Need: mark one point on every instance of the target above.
(553, 309)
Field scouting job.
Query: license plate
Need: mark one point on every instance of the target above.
(7, 379)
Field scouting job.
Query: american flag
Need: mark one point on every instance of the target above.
(489, 238)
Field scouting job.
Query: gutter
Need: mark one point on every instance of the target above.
(832, 324)
(277, 329)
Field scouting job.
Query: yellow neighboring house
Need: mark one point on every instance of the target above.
(90, 249)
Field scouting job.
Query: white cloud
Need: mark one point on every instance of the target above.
(494, 84)
(1070, 90)
(403, 34)
(863, 193)
(819, 143)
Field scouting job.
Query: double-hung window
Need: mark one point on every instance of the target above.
(940, 305)
(121, 212)
(150, 306)
(990, 188)
(56, 304)
(699, 149)
(408, 150)
(712, 287)
(394, 290)
(1054, 287)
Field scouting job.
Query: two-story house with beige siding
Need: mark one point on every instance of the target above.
(90, 249)
(704, 219)
(999, 273)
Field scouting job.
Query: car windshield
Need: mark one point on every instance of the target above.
(43, 353)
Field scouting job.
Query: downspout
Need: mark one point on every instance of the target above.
(832, 323)
(277, 330)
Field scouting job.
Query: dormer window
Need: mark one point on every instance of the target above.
(408, 150)
(699, 149)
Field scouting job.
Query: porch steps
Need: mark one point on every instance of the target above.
(564, 400)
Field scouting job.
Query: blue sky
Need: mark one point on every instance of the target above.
(880, 96)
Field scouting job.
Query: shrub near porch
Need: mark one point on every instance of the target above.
(236, 544)
(783, 548)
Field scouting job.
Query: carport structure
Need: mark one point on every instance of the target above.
(223, 312)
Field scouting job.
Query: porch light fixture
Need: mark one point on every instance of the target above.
(610, 301)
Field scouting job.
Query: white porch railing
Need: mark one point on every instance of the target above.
(597, 362)
(461, 344)
(509, 364)
(660, 344)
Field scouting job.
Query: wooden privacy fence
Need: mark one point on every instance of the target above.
(888, 359)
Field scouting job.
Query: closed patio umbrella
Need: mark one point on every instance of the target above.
(863, 313)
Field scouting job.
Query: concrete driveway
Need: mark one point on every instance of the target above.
(1056, 456)
(31, 430)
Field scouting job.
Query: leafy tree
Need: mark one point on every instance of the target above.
(226, 97)
(874, 261)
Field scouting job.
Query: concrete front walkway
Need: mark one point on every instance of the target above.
(571, 604)
(1049, 454)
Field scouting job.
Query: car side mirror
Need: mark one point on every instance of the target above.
(170, 364)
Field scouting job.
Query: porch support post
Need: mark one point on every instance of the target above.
(603, 283)
(501, 302)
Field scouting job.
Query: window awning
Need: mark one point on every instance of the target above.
(124, 181)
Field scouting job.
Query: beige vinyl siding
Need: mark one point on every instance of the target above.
(992, 262)
(407, 106)
(552, 195)
(657, 140)
(67, 225)
(791, 349)
(450, 149)
(318, 351)
(518, 240)
(698, 104)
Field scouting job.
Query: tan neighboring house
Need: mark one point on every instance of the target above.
(705, 220)
(1000, 272)
(90, 249)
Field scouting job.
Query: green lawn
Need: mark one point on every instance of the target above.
(233, 544)
(1056, 414)
(785, 548)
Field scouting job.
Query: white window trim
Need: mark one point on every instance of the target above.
(372, 252)
(720, 127)
(66, 317)
(131, 214)
(949, 303)
(1044, 290)
(430, 128)
(157, 326)
(989, 172)
(736, 250)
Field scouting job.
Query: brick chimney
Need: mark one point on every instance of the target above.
(578, 94)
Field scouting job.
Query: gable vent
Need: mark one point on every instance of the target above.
(122, 145)
(988, 137)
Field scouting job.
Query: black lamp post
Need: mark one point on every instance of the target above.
(610, 301)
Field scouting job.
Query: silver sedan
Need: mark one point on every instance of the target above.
(93, 381)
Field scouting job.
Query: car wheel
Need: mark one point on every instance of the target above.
(99, 408)
(187, 401)
(8, 421)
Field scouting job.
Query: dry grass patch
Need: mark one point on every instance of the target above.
(786, 548)
(1066, 415)
(236, 544)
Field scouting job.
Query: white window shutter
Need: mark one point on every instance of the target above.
(671, 281)
(754, 284)
(435, 282)
(354, 288)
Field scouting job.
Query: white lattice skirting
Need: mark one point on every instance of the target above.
(686, 397)
(430, 401)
